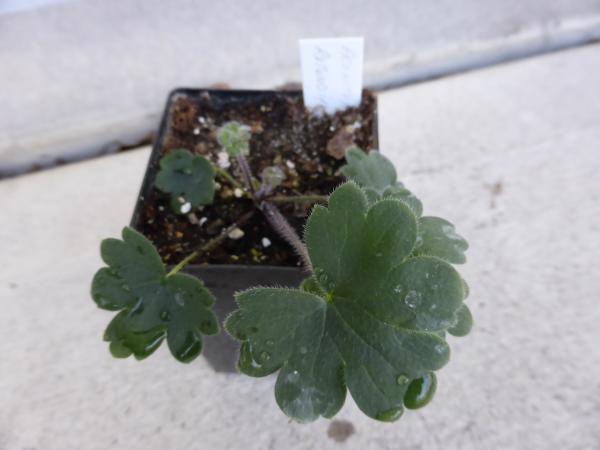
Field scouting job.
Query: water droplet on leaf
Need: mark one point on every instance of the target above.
(420, 391)
(265, 356)
(402, 379)
(412, 299)
(165, 315)
(389, 415)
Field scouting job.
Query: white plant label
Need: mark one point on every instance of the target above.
(332, 72)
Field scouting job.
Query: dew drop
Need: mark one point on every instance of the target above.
(265, 356)
(440, 348)
(419, 241)
(389, 415)
(412, 299)
(165, 315)
(293, 376)
(420, 391)
(398, 289)
(270, 343)
(402, 379)
(179, 299)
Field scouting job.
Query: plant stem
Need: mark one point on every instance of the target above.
(211, 244)
(299, 199)
(224, 174)
(246, 172)
(285, 230)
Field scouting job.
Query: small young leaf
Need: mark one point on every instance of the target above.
(439, 239)
(373, 171)
(272, 177)
(234, 138)
(190, 179)
(151, 304)
(370, 319)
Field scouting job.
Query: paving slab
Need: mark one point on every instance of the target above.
(83, 77)
(509, 154)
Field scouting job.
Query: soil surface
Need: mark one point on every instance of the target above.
(308, 147)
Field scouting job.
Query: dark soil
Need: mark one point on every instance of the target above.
(304, 145)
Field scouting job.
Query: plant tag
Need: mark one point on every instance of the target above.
(332, 72)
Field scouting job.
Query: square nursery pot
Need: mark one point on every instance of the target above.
(309, 147)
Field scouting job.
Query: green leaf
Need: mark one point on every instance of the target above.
(152, 305)
(438, 238)
(399, 192)
(234, 138)
(272, 177)
(370, 320)
(190, 179)
(377, 176)
(372, 171)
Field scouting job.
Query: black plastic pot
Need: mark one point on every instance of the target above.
(224, 280)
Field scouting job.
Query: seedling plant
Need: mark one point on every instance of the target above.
(372, 316)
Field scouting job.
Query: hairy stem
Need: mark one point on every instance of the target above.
(208, 246)
(285, 230)
(299, 199)
(246, 172)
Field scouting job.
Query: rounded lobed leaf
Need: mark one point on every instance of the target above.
(372, 171)
(152, 305)
(234, 138)
(371, 319)
(189, 178)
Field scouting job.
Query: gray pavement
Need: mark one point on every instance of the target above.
(82, 77)
(509, 154)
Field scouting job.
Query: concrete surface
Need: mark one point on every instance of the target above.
(510, 155)
(82, 77)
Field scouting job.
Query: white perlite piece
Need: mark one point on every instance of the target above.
(223, 160)
(332, 72)
(237, 192)
(235, 234)
(186, 208)
(266, 242)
